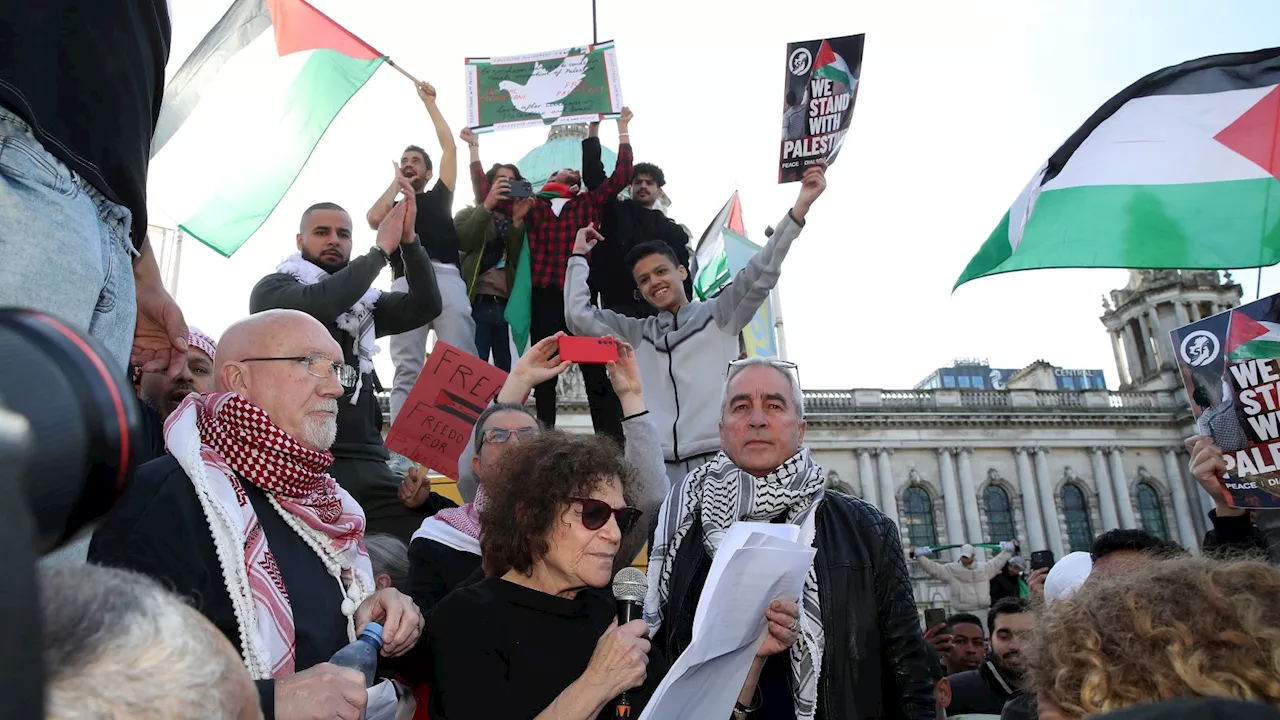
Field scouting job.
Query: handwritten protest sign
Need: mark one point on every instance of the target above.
(575, 85)
(436, 420)
(818, 95)
(1230, 365)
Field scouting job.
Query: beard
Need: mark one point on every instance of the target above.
(1012, 673)
(320, 433)
(329, 266)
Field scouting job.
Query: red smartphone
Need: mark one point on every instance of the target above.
(589, 350)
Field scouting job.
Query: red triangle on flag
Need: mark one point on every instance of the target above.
(1241, 330)
(734, 219)
(299, 26)
(826, 55)
(1255, 135)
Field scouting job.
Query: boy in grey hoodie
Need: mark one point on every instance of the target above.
(685, 351)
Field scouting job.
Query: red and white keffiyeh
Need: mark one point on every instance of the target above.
(458, 528)
(221, 438)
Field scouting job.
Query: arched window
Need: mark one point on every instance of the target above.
(1000, 526)
(919, 517)
(1152, 511)
(1074, 506)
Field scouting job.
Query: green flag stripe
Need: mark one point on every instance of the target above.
(1199, 226)
(832, 73)
(712, 277)
(1259, 350)
(234, 212)
(519, 312)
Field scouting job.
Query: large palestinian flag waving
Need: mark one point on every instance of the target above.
(1180, 170)
(242, 115)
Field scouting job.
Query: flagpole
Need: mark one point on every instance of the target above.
(595, 39)
(1258, 290)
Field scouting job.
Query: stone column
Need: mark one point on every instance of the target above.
(867, 475)
(1193, 308)
(1163, 341)
(1124, 502)
(1048, 504)
(1180, 313)
(1121, 368)
(888, 498)
(1151, 366)
(969, 493)
(1181, 506)
(1106, 494)
(951, 500)
(1030, 504)
(1131, 353)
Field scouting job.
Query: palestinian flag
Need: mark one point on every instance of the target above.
(710, 259)
(1249, 339)
(831, 66)
(1180, 170)
(244, 112)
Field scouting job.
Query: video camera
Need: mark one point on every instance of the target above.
(69, 438)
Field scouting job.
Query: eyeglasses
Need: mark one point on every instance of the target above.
(502, 435)
(595, 513)
(319, 366)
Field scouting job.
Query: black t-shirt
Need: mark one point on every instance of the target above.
(436, 569)
(88, 77)
(435, 228)
(502, 650)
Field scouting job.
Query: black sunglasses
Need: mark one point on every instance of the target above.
(595, 513)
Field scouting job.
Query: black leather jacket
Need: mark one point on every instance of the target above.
(875, 662)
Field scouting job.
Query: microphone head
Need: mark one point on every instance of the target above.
(630, 584)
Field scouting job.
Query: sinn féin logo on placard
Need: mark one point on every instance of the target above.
(1200, 348)
(800, 61)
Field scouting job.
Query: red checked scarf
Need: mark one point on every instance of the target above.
(235, 440)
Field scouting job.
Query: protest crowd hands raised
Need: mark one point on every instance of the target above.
(537, 365)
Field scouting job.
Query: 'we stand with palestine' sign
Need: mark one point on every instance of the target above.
(818, 95)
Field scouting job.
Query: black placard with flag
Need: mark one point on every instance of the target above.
(818, 95)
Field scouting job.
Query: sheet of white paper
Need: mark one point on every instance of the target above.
(754, 570)
(738, 535)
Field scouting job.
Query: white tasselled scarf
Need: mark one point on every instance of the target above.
(356, 321)
(719, 494)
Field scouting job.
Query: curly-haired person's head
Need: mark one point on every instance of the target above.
(547, 494)
(1182, 627)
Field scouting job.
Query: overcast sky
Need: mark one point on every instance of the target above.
(959, 104)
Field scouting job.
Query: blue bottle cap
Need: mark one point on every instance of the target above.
(374, 631)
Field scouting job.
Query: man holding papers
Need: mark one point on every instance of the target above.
(860, 652)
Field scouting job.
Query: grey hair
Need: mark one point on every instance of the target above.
(388, 554)
(117, 645)
(494, 409)
(797, 395)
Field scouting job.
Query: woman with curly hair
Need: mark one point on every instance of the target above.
(1184, 627)
(540, 640)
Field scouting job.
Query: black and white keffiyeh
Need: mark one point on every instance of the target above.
(357, 320)
(719, 494)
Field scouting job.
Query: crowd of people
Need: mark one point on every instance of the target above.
(270, 526)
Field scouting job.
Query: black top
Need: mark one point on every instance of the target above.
(436, 569)
(152, 426)
(502, 650)
(978, 691)
(625, 224)
(376, 488)
(88, 77)
(159, 528)
(359, 425)
(435, 228)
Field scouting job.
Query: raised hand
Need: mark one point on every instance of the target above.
(586, 239)
(497, 193)
(469, 137)
(410, 202)
(811, 186)
(538, 364)
(625, 119)
(391, 229)
(426, 92)
(1207, 467)
(624, 374)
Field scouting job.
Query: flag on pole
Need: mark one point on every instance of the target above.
(1179, 170)
(243, 114)
(710, 262)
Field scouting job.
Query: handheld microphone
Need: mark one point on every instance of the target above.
(629, 588)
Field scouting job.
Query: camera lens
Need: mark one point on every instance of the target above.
(82, 416)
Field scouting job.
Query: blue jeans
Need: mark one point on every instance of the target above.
(64, 247)
(492, 333)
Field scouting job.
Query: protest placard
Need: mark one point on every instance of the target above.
(821, 84)
(575, 85)
(436, 420)
(1230, 366)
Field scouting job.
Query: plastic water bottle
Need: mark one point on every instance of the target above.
(362, 654)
